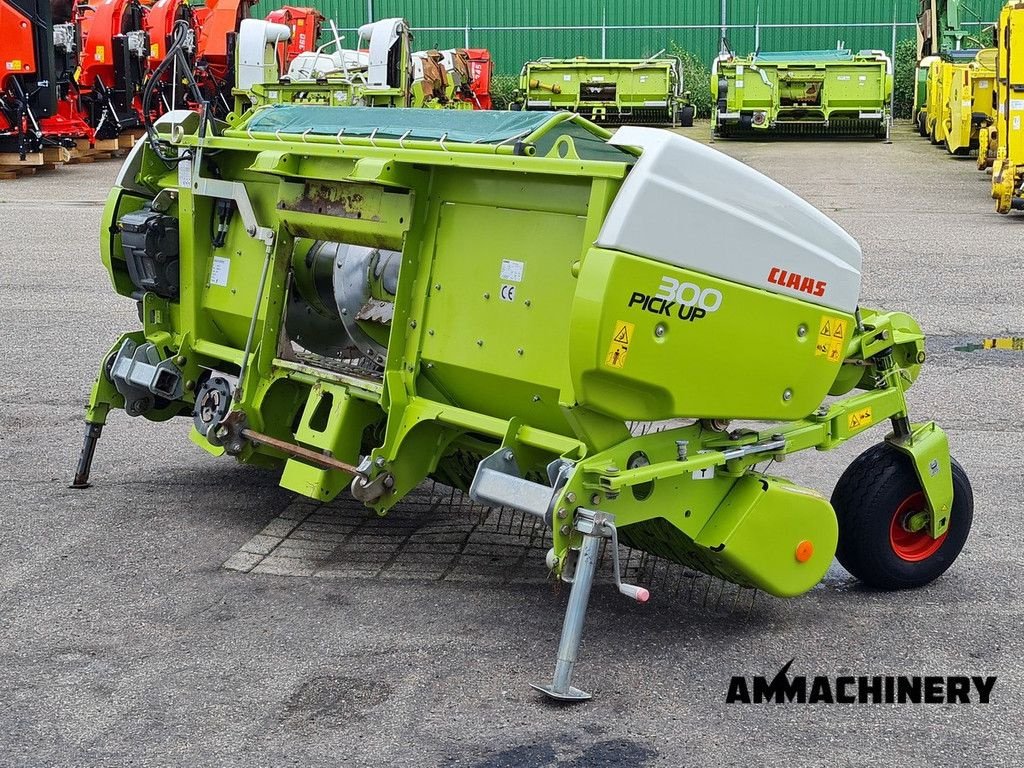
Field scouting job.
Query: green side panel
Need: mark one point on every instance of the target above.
(332, 421)
(759, 529)
(791, 86)
(489, 319)
(920, 88)
(592, 83)
(730, 334)
(752, 538)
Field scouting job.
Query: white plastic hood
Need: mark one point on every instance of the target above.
(382, 35)
(691, 206)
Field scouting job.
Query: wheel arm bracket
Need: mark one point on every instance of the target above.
(928, 448)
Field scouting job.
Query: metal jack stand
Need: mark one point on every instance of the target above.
(92, 434)
(594, 526)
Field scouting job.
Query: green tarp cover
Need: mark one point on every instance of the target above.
(461, 126)
(781, 57)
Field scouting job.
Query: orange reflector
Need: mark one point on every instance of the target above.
(804, 550)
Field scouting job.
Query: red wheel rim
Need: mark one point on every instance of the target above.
(912, 546)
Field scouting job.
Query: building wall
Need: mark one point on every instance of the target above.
(527, 29)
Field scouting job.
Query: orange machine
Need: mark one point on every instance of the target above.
(160, 21)
(165, 21)
(218, 22)
(305, 26)
(481, 68)
(68, 121)
(114, 63)
(27, 90)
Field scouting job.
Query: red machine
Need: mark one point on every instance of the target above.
(305, 26)
(114, 63)
(28, 88)
(69, 119)
(218, 22)
(481, 68)
(160, 22)
(166, 22)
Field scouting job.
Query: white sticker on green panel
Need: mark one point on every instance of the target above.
(220, 271)
(512, 271)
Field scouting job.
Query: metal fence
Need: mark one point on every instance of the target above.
(530, 29)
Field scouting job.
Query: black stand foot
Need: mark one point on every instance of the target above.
(92, 434)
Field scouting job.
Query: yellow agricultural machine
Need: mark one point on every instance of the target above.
(970, 108)
(953, 81)
(940, 76)
(1004, 144)
(959, 103)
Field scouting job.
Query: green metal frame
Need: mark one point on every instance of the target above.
(646, 90)
(467, 374)
(769, 92)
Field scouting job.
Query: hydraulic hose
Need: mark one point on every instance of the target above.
(175, 56)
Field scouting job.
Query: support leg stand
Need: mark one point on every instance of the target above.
(92, 434)
(561, 688)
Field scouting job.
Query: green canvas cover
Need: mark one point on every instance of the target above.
(459, 126)
(780, 57)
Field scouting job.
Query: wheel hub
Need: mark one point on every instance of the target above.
(909, 540)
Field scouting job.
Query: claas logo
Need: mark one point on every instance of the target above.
(801, 283)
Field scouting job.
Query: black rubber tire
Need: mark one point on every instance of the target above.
(686, 115)
(921, 129)
(961, 152)
(866, 499)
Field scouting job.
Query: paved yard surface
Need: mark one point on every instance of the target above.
(186, 611)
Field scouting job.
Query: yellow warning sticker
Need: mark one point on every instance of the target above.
(831, 338)
(101, 52)
(859, 419)
(154, 51)
(16, 64)
(619, 347)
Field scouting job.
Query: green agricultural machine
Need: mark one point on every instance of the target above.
(636, 91)
(355, 298)
(802, 92)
